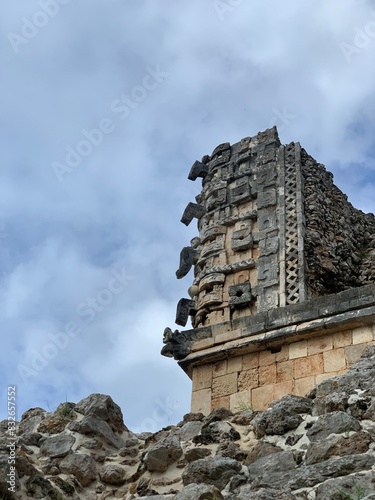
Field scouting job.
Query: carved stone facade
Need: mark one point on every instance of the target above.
(274, 232)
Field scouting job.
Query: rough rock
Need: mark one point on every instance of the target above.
(243, 418)
(332, 451)
(339, 238)
(212, 470)
(218, 414)
(321, 450)
(272, 470)
(190, 430)
(195, 491)
(275, 421)
(293, 404)
(216, 432)
(57, 446)
(67, 489)
(53, 424)
(30, 422)
(112, 474)
(191, 417)
(162, 454)
(104, 408)
(93, 425)
(262, 494)
(259, 450)
(24, 466)
(82, 466)
(335, 422)
(40, 487)
(355, 486)
(232, 450)
(31, 438)
(334, 467)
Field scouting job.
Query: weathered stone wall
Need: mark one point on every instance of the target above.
(257, 378)
(236, 255)
(288, 350)
(339, 239)
(273, 230)
(282, 260)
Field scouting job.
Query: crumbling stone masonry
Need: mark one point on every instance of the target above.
(284, 270)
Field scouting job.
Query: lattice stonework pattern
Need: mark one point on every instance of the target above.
(294, 261)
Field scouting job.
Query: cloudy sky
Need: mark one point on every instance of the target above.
(105, 106)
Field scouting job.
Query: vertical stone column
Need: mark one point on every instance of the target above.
(249, 255)
(292, 226)
(268, 226)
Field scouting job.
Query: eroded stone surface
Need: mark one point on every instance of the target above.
(216, 471)
(162, 454)
(82, 466)
(57, 446)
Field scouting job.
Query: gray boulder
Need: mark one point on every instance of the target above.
(312, 475)
(82, 466)
(272, 471)
(335, 401)
(216, 471)
(57, 446)
(354, 486)
(39, 487)
(163, 453)
(218, 414)
(93, 425)
(332, 423)
(247, 493)
(283, 416)
(195, 491)
(30, 423)
(275, 421)
(261, 449)
(112, 474)
(196, 454)
(103, 407)
(216, 432)
(319, 451)
(293, 404)
(190, 430)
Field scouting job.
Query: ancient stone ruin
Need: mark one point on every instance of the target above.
(282, 306)
(283, 293)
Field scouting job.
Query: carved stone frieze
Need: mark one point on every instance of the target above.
(188, 257)
(240, 191)
(241, 211)
(176, 344)
(185, 308)
(192, 210)
(198, 170)
(240, 295)
(208, 282)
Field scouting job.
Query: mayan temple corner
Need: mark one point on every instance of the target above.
(283, 293)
